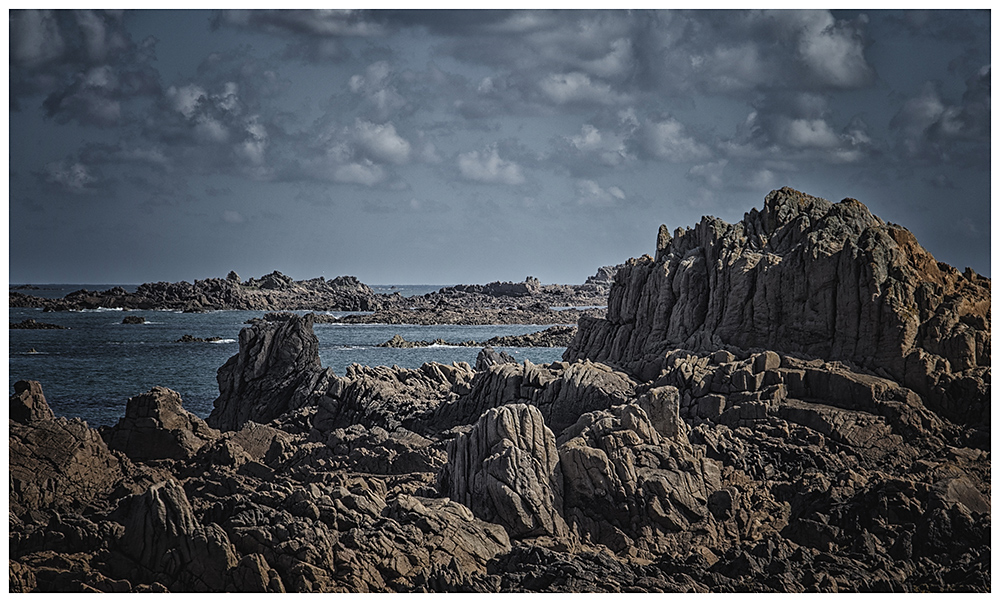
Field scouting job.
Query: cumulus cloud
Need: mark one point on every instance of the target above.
(930, 127)
(83, 63)
(590, 193)
(799, 128)
(376, 91)
(381, 143)
(670, 141)
(365, 173)
(488, 167)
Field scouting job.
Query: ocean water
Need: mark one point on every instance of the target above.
(90, 370)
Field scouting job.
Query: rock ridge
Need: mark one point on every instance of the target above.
(804, 275)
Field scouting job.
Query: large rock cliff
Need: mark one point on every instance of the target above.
(810, 277)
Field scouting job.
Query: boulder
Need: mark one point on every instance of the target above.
(506, 470)
(54, 462)
(157, 427)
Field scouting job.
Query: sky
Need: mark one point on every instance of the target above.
(441, 147)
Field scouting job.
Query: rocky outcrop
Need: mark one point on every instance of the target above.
(55, 463)
(562, 391)
(506, 470)
(807, 276)
(188, 338)
(133, 320)
(28, 404)
(274, 291)
(555, 336)
(157, 427)
(29, 324)
(276, 370)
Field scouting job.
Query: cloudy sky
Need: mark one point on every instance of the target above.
(446, 147)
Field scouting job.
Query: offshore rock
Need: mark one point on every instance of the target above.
(804, 275)
(276, 370)
(157, 427)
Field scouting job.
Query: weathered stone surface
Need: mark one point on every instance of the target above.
(561, 390)
(54, 462)
(157, 427)
(829, 280)
(28, 404)
(167, 542)
(506, 470)
(276, 370)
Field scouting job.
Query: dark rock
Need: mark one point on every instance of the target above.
(133, 320)
(157, 427)
(28, 404)
(33, 325)
(276, 370)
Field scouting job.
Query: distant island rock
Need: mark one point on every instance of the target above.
(133, 320)
(187, 338)
(528, 302)
(555, 336)
(29, 324)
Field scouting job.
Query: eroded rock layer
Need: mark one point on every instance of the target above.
(807, 276)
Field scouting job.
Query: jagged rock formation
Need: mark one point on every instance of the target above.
(827, 280)
(717, 465)
(156, 426)
(276, 370)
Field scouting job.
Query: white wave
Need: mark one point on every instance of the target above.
(99, 309)
(224, 341)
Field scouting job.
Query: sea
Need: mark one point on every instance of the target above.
(90, 370)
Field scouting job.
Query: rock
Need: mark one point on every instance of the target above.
(29, 324)
(276, 370)
(28, 404)
(232, 276)
(488, 357)
(167, 542)
(846, 285)
(157, 427)
(506, 471)
(187, 338)
(133, 320)
(55, 462)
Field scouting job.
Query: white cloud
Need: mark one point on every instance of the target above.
(185, 99)
(591, 194)
(365, 173)
(810, 133)
(487, 166)
(381, 143)
(576, 87)
(669, 140)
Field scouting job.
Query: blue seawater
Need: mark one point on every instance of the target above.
(90, 370)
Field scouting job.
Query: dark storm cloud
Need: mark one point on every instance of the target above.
(932, 129)
(83, 62)
(314, 36)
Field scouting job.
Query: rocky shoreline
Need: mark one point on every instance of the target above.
(555, 336)
(528, 302)
(797, 402)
